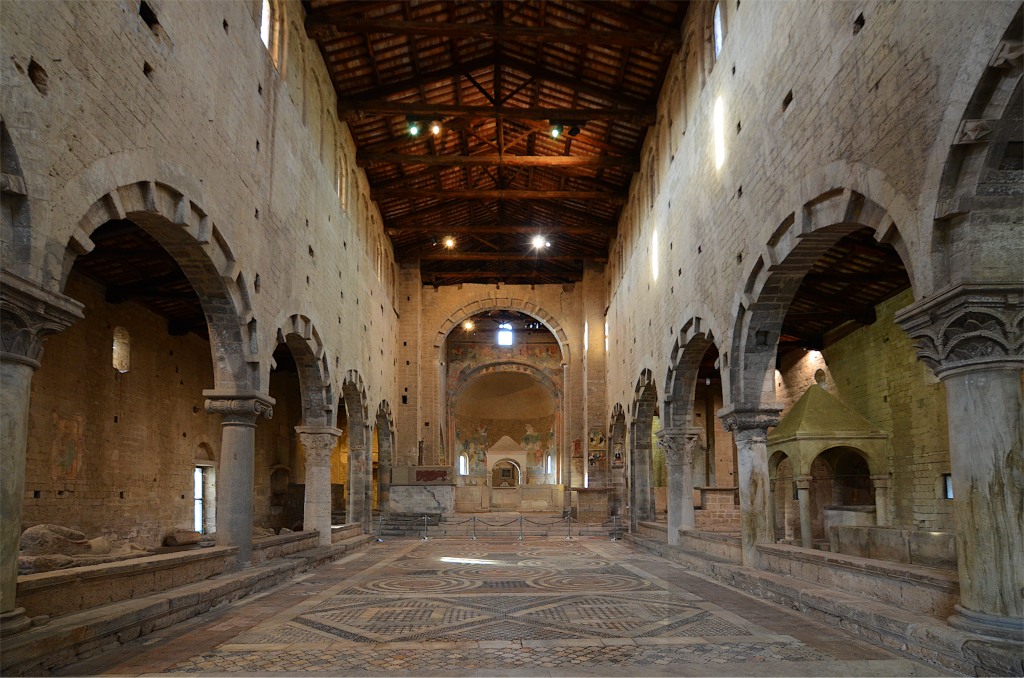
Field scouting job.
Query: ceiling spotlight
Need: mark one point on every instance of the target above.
(433, 241)
(556, 131)
(468, 326)
(574, 130)
(435, 128)
(449, 242)
(414, 127)
(540, 242)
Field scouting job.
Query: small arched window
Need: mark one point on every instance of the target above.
(463, 465)
(717, 35)
(122, 350)
(550, 466)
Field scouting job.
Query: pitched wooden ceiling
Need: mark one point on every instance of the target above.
(496, 76)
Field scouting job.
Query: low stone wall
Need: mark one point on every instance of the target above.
(928, 548)
(281, 545)
(343, 532)
(921, 590)
(63, 592)
(717, 510)
(717, 545)
(79, 635)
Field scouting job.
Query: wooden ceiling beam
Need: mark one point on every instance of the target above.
(358, 109)
(498, 256)
(616, 197)
(320, 25)
(602, 161)
(414, 83)
(589, 229)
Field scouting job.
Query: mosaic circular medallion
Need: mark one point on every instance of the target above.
(423, 584)
(592, 582)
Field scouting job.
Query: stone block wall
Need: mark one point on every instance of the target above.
(869, 106)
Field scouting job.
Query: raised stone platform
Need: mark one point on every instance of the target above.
(161, 591)
(886, 624)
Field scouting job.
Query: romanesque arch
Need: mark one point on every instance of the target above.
(641, 471)
(776, 275)
(695, 338)
(16, 223)
(301, 337)
(503, 304)
(360, 464)
(385, 424)
(188, 234)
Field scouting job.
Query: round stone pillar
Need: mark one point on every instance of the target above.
(318, 441)
(360, 476)
(803, 495)
(749, 428)
(28, 314)
(678, 444)
(971, 336)
(239, 411)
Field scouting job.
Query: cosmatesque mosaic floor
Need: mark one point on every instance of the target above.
(540, 607)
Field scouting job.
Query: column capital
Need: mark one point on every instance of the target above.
(882, 480)
(750, 421)
(239, 407)
(967, 327)
(678, 443)
(803, 482)
(28, 314)
(318, 441)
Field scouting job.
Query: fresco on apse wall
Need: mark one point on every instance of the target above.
(474, 436)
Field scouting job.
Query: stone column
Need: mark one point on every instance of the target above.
(678, 444)
(882, 484)
(28, 314)
(239, 411)
(360, 474)
(749, 427)
(803, 495)
(318, 441)
(971, 336)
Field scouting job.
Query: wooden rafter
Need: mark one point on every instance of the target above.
(625, 162)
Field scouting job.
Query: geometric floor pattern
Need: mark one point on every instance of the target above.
(543, 606)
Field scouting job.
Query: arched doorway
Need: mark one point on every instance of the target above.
(641, 469)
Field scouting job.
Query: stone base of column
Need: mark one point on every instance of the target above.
(13, 622)
(1004, 628)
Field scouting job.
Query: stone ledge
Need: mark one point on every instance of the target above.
(77, 636)
(926, 638)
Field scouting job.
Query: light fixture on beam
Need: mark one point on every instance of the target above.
(574, 130)
(539, 242)
(449, 242)
(468, 326)
(435, 128)
(414, 127)
(556, 131)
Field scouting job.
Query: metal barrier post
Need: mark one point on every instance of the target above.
(520, 527)
(615, 528)
(380, 525)
(568, 537)
(424, 528)
(474, 528)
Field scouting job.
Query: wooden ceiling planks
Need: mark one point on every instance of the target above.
(498, 76)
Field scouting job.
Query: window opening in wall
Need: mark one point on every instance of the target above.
(550, 467)
(947, 486)
(717, 29)
(121, 350)
(463, 465)
(504, 334)
(197, 482)
(265, 20)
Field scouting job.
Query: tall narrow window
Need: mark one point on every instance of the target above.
(716, 28)
(122, 350)
(947, 486)
(463, 465)
(504, 334)
(197, 486)
(265, 22)
(550, 468)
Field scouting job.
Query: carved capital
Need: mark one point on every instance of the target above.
(319, 441)
(881, 482)
(679, 444)
(28, 314)
(239, 408)
(968, 327)
(750, 422)
(803, 482)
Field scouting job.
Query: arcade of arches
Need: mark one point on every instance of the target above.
(795, 366)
